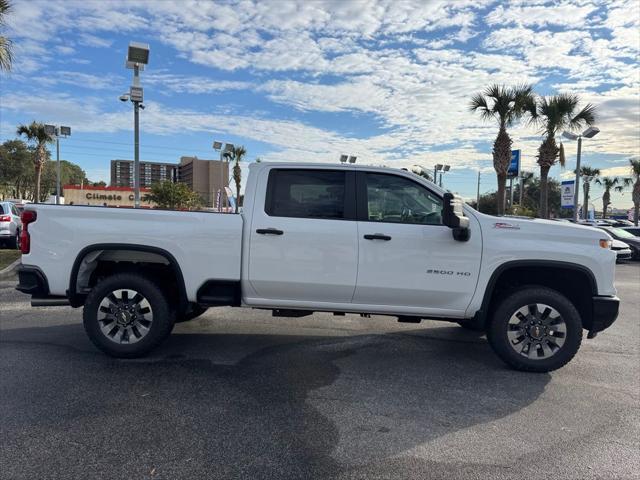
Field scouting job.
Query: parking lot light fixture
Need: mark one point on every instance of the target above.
(588, 133)
(443, 170)
(137, 58)
(57, 132)
(437, 167)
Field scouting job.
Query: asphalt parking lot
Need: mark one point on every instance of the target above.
(240, 394)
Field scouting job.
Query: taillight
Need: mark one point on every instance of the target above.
(27, 217)
(5, 218)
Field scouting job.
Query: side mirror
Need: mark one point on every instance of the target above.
(453, 217)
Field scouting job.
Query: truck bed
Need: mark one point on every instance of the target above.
(205, 245)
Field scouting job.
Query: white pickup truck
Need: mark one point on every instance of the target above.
(332, 238)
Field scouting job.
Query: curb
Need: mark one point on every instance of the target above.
(10, 271)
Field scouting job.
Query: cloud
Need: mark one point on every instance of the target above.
(622, 171)
(399, 73)
(563, 14)
(192, 84)
(89, 40)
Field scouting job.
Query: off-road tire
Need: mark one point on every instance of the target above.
(498, 326)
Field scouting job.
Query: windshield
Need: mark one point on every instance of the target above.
(618, 232)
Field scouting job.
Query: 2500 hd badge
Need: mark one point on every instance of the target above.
(448, 272)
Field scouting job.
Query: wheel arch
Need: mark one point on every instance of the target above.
(573, 280)
(76, 298)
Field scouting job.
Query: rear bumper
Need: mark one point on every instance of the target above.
(32, 281)
(605, 312)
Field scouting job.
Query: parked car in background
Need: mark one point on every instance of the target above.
(621, 249)
(633, 230)
(619, 222)
(627, 237)
(594, 223)
(10, 225)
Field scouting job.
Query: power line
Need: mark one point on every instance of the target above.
(147, 146)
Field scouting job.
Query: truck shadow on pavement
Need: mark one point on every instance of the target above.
(246, 406)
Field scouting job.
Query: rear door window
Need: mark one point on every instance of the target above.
(305, 193)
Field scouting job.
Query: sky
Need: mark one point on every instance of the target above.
(388, 81)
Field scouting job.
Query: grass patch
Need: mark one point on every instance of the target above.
(7, 257)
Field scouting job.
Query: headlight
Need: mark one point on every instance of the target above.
(605, 243)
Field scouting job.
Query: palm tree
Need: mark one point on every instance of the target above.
(237, 155)
(587, 174)
(554, 114)
(504, 105)
(6, 55)
(635, 173)
(37, 135)
(617, 184)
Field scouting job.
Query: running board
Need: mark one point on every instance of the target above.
(283, 312)
(50, 302)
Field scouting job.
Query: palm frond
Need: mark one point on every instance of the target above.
(586, 116)
(6, 53)
(480, 103)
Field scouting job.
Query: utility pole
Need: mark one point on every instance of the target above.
(478, 193)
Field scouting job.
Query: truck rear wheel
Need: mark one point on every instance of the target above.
(535, 329)
(126, 315)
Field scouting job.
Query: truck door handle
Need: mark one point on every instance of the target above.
(377, 236)
(269, 231)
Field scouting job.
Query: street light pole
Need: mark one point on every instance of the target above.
(57, 168)
(57, 131)
(137, 58)
(588, 133)
(136, 154)
(576, 187)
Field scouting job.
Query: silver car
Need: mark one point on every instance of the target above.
(10, 225)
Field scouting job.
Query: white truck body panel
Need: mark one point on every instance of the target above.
(321, 264)
(205, 245)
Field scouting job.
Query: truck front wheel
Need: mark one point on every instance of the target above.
(126, 315)
(535, 329)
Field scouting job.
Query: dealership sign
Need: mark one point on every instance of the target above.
(567, 189)
(514, 165)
